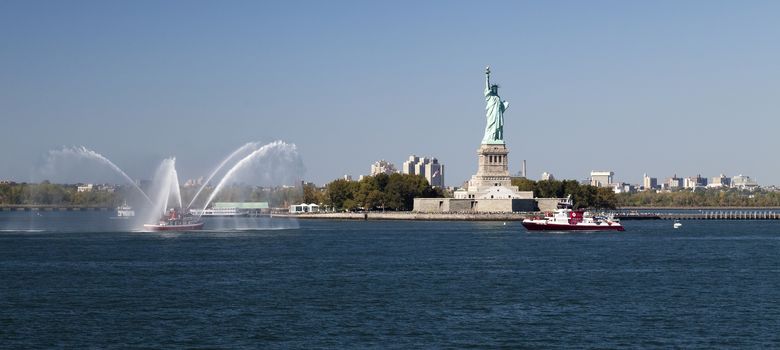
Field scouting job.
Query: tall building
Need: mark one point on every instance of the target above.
(383, 167)
(649, 183)
(408, 166)
(430, 168)
(694, 182)
(719, 181)
(619, 187)
(674, 182)
(743, 182)
(601, 178)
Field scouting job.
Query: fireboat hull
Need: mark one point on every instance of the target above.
(183, 227)
(547, 226)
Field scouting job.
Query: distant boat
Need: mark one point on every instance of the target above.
(677, 224)
(125, 211)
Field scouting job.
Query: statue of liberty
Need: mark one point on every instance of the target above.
(494, 130)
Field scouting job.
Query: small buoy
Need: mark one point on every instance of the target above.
(505, 224)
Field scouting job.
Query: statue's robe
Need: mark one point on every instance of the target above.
(494, 110)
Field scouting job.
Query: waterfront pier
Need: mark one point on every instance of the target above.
(519, 216)
(722, 215)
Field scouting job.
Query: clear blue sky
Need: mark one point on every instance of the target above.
(662, 87)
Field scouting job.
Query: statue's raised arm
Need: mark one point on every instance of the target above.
(487, 80)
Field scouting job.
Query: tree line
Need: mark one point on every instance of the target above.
(392, 192)
(46, 193)
(701, 198)
(277, 197)
(388, 192)
(584, 196)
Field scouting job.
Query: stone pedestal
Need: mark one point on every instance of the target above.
(493, 167)
(492, 180)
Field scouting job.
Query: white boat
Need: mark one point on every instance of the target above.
(219, 212)
(677, 224)
(567, 219)
(124, 211)
(172, 221)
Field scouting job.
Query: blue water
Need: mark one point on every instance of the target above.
(356, 284)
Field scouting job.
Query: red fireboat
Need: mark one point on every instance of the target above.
(173, 221)
(567, 219)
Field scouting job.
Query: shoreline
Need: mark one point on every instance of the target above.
(699, 208)
(519, 216)
(408, 215)
(32, 207)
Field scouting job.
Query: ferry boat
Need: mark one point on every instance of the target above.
(567, 219)
(173, 221)
(219, 212)
(125, 211)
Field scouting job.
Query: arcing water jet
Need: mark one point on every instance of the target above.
(281, 162)
(240, 150)
(88, 153)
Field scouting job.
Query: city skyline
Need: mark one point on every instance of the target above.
(664, 88)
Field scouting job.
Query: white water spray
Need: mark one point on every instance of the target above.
(88, 153)
(165, 188)
(280, 159)
(175, 188)
(240, 150)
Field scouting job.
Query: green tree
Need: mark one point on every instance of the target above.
(311, 194)
(338, 191)
(524, 184)
(394, 192)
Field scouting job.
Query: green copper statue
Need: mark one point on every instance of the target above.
(494, 130)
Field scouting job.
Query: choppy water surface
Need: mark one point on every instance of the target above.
(80, 280)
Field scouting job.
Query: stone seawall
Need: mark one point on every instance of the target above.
(411, 216)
